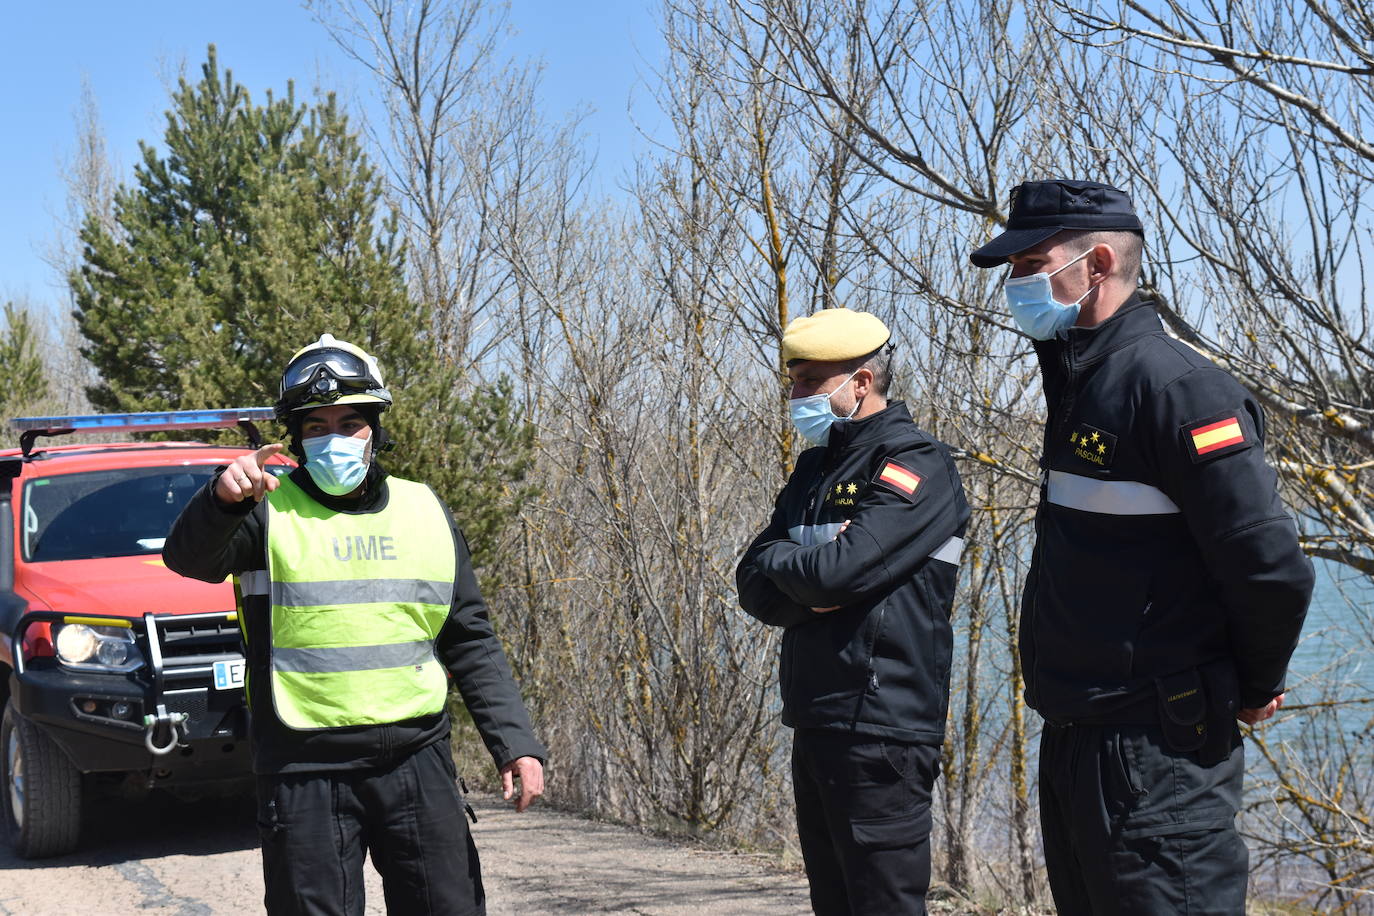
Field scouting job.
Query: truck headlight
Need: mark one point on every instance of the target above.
(97, 648)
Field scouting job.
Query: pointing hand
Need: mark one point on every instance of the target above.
(245, 477)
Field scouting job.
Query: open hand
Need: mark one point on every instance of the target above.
(1260, 713)
(530, 772)
(827, 610)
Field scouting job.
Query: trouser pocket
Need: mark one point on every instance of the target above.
(897, 831)
(269, 815)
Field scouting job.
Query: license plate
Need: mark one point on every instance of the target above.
(229, 675)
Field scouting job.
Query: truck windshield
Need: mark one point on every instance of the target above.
(115, 513)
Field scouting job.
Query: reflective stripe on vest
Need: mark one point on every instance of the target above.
(1108, 497)
(356, 603)
(370, 591)
(353, 658)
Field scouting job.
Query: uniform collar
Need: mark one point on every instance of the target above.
(1136, 318)
(851, 433)
(372, 499)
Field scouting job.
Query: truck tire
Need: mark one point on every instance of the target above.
(42, 790)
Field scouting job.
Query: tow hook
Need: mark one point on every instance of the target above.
(176, 729)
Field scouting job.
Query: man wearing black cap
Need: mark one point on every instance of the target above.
(1166, 589)
(859, 565)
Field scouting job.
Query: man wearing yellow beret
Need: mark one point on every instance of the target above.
(858, 565)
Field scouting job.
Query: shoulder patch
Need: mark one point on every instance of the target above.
(1218, 435)
(900, 480)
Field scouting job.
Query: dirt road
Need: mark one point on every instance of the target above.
(169, 859)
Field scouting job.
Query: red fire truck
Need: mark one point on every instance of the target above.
(113, 669)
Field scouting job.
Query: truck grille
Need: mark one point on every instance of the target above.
(190, 644)
(185, 648)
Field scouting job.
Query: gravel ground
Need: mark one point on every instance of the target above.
(163, 858)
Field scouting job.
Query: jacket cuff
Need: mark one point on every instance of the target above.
(1257, 699)
(242, 507)
(523, 747)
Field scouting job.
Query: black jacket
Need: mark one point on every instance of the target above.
(880, 664)
(210, 541)
(1161, 544)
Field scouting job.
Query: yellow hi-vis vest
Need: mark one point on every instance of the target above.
(357, 601)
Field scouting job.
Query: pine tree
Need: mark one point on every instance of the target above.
(21, 363)
(259, 228)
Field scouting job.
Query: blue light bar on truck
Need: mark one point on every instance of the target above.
(146, 422)
(30, 428)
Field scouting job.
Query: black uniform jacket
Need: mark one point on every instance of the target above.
(879, 665)
(210, 540)
(1162, 544)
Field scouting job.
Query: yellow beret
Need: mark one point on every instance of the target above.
(833, 336)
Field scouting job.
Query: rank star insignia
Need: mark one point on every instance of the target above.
(843, 494)
(1093, 445)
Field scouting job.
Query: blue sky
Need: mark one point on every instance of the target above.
(595, 54)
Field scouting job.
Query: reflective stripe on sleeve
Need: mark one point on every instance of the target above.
(254, 582)
(949, 551)
(806, 535)
(1108, 497)
(352, 658)
(361, 591)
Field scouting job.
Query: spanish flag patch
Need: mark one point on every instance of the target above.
(1220, 435)
(898, 479)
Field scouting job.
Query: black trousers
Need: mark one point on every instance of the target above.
(1132, 826)
(863, 816)
(316, 828)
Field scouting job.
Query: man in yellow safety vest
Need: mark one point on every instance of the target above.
(358, 601)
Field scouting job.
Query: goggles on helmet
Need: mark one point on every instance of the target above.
(326, 375)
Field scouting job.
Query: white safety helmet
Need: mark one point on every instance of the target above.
(328, 372)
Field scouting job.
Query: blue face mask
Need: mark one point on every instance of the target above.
(336, 463)
(1032, 304)
(813, 417)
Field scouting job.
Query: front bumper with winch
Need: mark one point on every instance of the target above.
(180, 716)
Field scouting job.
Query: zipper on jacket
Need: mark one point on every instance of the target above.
(809, 516)
(788, 651)
(1056, 428)
(873, 647)
(1065, 401)
(812, 511)
(828, 464)
(1031, 674)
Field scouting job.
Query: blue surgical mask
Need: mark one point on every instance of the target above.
(813, 417)
(1032, 304)
(336, 463)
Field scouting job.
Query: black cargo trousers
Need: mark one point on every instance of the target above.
(863, 818)
(1134, 827)
(316, 828)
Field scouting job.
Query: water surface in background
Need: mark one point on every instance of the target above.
(1335, 658)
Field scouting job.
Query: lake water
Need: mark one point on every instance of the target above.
(1334, 661)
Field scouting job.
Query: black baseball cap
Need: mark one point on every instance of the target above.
(1039, 209)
